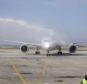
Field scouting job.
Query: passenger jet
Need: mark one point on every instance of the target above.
(48, 45)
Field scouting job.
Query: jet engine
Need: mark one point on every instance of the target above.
(24, 48)
(72, 49)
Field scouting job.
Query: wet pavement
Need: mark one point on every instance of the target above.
(19, 68)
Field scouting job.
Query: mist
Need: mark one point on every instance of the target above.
(23, 31)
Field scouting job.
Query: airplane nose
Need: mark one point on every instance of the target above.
(45, 45)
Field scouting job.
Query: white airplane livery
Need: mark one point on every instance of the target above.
(47, 45)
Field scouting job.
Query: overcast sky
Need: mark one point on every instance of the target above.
(63, 20)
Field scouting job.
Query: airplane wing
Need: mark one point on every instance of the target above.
(48, 46)
(17, 44)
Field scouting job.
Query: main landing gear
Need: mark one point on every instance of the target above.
(48, 53)
(37, 52)
(59, 51)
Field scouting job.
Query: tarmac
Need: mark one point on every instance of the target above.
(19, 68)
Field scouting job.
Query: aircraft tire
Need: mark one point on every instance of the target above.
(47, 54)
(59, 53)
(37, 52)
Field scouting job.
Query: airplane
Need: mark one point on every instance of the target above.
(47, 45)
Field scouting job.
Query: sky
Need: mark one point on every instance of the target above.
(64, 20)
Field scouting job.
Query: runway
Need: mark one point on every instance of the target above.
(20, 68)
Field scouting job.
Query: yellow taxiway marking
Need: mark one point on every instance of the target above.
(19, 74)
(23, 62)
(43, 72)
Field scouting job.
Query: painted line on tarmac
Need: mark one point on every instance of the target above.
(24, 62)
(21, 77)
(43, 72)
